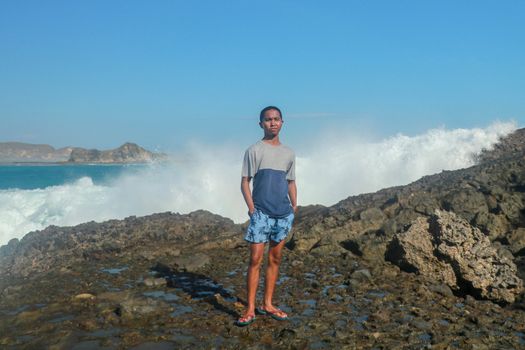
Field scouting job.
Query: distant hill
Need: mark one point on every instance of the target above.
(13, 152)
(18, 152)
(127, 153)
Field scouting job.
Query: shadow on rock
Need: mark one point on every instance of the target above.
(198, 287)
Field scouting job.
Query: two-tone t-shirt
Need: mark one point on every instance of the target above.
(270, 167)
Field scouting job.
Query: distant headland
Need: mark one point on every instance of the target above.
(18, 152)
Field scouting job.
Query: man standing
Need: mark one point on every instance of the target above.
(271, 207)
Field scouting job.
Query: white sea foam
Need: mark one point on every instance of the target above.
(335, 166)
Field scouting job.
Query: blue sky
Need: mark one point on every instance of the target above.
(165, 73)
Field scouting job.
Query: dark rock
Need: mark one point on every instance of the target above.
(467, 203)
(442, 289)
(135, 307)
(509, 146)
(55, 247)
(517, 241)
(372, 214)
(362, 275)
(192, 263)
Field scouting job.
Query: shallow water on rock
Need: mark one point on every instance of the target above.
(444, 322)
(377, 294)
(62, 318)
(359, 321)
(309, 276)
(114, 270)
(311, 307)
(153, 346)
(18, 310)
(182, 338)
(108, 286)
(161, 295)
(425, 337)
(180, 310)
(102, 333)
(521, 337)
(282, 279)
(232, 273)
(319, 344)
(25, 338)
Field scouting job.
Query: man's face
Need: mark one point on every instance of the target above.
(271, 123)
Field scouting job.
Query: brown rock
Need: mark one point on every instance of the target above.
(447, 249)
(413, 251)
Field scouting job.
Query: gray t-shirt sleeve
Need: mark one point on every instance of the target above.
(290, 173)
(248, 164)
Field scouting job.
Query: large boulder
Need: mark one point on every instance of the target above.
(448, 249)
(413, 251)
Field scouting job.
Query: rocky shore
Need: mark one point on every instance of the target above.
(436, 264)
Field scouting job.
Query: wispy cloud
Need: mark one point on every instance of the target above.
(311, 115)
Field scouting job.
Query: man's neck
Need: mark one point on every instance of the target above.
(272, 140)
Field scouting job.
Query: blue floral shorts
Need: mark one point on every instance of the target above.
(263, 228)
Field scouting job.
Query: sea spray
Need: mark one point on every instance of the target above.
(331, 168)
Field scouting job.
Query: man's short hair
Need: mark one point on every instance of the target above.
(269, 108)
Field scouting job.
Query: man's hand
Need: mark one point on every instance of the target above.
(294, 209)
(247, 194)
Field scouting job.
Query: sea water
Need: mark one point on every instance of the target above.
(29, 177)
(35, 196)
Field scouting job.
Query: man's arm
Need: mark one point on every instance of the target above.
(292, 193)
(247, 194)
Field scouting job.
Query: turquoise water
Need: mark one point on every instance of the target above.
(30, 177)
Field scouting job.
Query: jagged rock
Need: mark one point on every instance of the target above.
(467, 203)
(54, 247)
(362, 275)
(413, 251)
(442, 289)
(447, 249)
(517, 241)
(372, 214)
(512, 145)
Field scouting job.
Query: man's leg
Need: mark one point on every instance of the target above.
(272, 272)
(252, 278)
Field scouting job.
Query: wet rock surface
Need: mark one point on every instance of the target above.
(177, 281)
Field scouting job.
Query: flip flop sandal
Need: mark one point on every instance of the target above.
(273, 315)
(247, 320)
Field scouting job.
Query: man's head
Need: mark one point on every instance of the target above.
(269, 108)
(271, 121)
